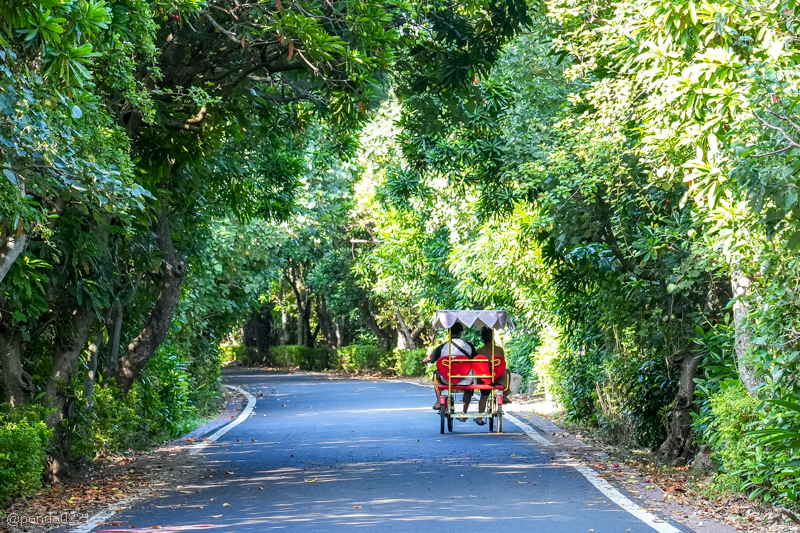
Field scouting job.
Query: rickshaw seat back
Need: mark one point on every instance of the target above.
(453, 369)
(458, 365)
(481, 366)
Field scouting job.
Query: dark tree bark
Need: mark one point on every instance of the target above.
(675, 449)
(325, 323)
(258, 333)
(17, 384)
(115, 317)
(384, 336)
(144, 346)
(294, 275)
(66, 354)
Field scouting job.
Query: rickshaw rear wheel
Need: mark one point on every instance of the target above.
(441, 417)
(450, 424)
(499, 420)
(491, 424)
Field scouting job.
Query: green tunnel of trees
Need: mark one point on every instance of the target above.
(302, 183)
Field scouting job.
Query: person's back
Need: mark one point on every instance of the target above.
(453, 347)
(486, 350)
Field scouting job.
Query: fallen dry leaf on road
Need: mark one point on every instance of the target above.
(312, 480)
(226, 505)
(356, 507)
(229, 473)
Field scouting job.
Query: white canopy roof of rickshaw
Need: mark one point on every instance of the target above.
(444, 319)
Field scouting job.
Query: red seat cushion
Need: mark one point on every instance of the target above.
(453, 366)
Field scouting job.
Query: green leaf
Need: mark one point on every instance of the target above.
(793, 240)
(11, 176)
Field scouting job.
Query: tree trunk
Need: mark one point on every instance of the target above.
(740, 283)
(284, 327)
(409, 338)
(416, 335)
(144, 346)
(12, 244)
(675, 449)
(300, 335)
(325, 323)
(10, 249)
(308, 337)
(339, 334)
(258, 333)
(91, 373)
(65, 362)
(17, 384)
(384, 338)
(114, 325)
(264, 331)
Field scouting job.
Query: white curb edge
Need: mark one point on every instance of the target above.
(602, 485)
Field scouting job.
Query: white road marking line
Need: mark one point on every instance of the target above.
(251, 403)
(102, 516)
(616, 496)
(417, 383)
(532, 433)
(601, 484)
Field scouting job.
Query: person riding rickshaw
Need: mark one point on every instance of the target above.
(461, 367)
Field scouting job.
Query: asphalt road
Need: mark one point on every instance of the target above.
(344, 455)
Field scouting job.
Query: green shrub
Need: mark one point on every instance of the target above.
(745, 464)
(410, 362)
(732, 412)
(160, 405)
(24, 438)
(359, 357)
(234, 352)
(389, 363)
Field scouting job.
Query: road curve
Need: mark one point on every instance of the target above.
(322, 454)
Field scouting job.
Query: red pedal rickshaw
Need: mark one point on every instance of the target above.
(483, 370)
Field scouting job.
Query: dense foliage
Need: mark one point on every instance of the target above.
(625, 186)
(621, 177)
(171, 169)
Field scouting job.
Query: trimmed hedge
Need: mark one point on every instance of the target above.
(360, 357)
(354, 358)
(315, 359)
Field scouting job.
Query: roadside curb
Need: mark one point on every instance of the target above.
(102, 516)
(582, 452)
